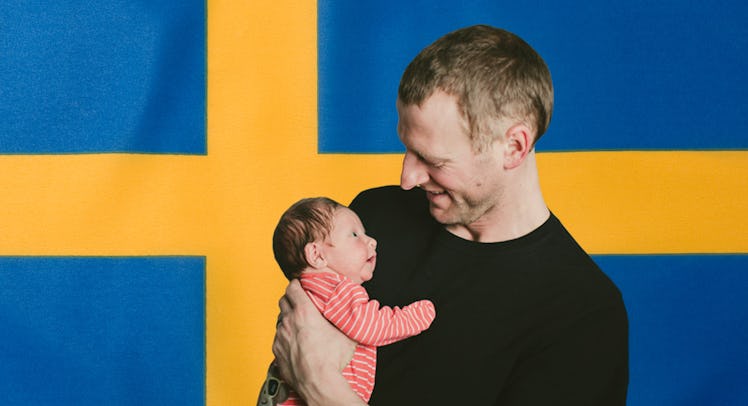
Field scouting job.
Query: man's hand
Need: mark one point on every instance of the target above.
(310, 351)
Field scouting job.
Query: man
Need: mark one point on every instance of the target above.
(524, 316)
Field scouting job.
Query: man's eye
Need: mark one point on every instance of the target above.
(434, 164)
(440, 163)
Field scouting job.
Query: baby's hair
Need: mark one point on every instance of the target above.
(306, 221)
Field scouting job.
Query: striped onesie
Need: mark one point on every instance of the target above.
(346, 305)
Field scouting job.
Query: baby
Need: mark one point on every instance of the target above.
(324, 245)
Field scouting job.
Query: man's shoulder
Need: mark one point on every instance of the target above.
(389, 201)
(381, 194)
(565, 262)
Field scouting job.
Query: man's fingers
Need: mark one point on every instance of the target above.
(281, 361)
(290, 299)
(285, 307)
(294, 293)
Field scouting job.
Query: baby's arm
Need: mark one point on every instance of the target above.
(364, 321)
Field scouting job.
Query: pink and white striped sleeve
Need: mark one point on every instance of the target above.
(364, 321)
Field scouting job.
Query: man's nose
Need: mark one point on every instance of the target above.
(413, 173)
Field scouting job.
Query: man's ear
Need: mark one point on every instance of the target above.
(517, 144)
(313, 255)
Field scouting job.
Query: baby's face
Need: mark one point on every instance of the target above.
(348, 250)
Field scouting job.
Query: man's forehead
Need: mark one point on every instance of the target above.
(431, 133)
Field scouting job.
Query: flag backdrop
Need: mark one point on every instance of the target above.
(148, 148)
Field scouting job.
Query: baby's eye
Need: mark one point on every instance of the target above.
(355, 234)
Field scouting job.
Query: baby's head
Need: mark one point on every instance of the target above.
(320, 234)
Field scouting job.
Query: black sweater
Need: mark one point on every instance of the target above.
(531, 321)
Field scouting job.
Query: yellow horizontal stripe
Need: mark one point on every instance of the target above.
(651, 202)
(613, 202)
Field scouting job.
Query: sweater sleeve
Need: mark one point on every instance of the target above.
(364, 321)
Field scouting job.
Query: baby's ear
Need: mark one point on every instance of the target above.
(313, 255)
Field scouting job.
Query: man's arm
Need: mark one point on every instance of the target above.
(311, 353)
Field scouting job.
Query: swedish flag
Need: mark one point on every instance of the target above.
(148, 149)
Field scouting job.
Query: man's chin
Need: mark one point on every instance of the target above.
(442, 216)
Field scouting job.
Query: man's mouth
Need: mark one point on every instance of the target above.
(434, 195)
(434, 192)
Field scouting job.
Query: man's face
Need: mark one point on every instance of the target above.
(463, 187)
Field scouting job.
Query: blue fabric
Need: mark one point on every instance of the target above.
(636, 76)
(688, 330)
(102, 331)
(102, 76)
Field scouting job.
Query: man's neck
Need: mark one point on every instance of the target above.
(507, 226)
(521, 211)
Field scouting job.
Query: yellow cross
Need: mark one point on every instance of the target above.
(262, 131)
